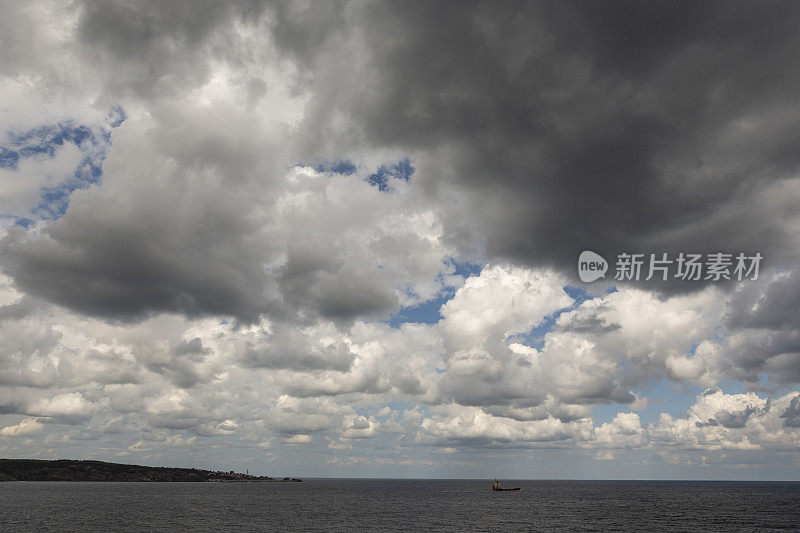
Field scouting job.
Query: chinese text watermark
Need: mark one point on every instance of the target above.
(715, 266)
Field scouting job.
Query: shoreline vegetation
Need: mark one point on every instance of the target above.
(80, 470)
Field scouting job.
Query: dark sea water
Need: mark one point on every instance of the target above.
(401, 505)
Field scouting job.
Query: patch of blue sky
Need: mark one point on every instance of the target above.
(730, 386)
(342, 166)
(670, 397)
(424, 313)
(763, 385)
(663, 395)
(429, 312)
(23, 222)
(116, 116)
(44, 142)
(381, 178)
(466, 270)
(8, 158)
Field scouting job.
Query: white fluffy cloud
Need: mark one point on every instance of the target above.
(719, 421)
(212, 379)
(472, 381)
(28, 426)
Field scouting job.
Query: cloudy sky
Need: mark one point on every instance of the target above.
(341, 238)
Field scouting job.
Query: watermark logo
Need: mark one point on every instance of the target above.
(591, 266)
(716, 266)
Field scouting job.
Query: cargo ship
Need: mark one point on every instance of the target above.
(496, 486)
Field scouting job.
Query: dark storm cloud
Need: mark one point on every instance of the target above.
(314, 279)
(99, 271)
(621, 126)
(156, 48)
(767, 313)
(774, 351)
(170, 229)
(771, 304)
(615, 126)
(10, 408)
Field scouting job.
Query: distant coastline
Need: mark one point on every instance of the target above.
(78, 470)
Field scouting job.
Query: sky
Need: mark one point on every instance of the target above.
(342, 239)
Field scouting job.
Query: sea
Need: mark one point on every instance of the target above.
(350, 505)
